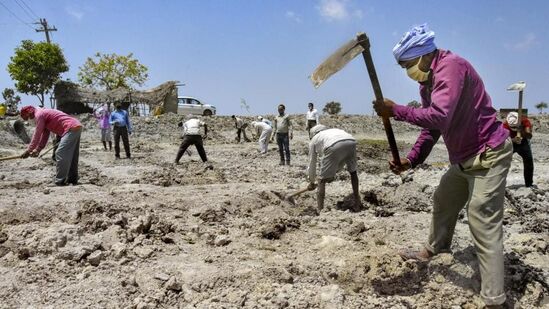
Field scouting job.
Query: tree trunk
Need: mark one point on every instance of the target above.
(41, 98)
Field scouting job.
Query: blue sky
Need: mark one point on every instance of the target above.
(263, 51)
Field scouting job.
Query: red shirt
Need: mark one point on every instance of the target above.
(50, 120)
(525, 124)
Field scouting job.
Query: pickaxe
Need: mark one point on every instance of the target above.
(520, 88)
(342, 56)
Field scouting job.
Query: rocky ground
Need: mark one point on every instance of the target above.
(145, 233)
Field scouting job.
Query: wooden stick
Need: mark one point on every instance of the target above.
(11, 158)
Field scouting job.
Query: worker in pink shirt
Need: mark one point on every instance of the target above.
(54, 121)
(456, 107)
(103, 116)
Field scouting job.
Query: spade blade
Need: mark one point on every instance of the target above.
(336, 62)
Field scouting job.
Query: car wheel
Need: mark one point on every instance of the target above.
(207, 112)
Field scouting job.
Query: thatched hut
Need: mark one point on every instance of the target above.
(74, 99)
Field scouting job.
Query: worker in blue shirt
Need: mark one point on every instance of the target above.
(122, 126)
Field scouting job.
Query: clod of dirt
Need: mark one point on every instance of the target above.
(273, 231)
(212, 214)
(221, 240)
(118, 250)
(3, 251)
(356, 229)
(391, 276)
(382, 212)
(173, 285)
(23, 253)
(279, 274)
(141, 225)
(3, 237)
(95, 258)
(276, 227)
(142, 252)
(348, 203)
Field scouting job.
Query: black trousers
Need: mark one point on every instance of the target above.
(524, 150)
(243, 132)
(121, 132)
(189, 140)
(283, 141)
(310, 124)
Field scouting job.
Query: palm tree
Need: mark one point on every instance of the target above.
(541, 106)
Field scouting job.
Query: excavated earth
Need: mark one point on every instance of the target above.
(146, 233)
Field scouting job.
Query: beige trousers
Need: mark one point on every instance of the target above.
(479, 185)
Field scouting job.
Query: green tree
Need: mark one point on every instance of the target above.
(36, 67)
(332, 108)
(11, 100)
(541, 106)
(414, 104)
(111, 71)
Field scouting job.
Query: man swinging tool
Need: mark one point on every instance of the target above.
(456, 106)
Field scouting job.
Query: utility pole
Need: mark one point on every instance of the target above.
(44, 23)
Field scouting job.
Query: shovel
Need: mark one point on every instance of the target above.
(19, 156)
(290, 197)
(48, 150)
(11, 158)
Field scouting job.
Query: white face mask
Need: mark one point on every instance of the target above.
(416, 74)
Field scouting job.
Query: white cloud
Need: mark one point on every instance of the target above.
(527, 42)
(333, 9)
(77, 14)
(293, 16)
(338, 10)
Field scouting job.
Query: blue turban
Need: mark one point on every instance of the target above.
(417, 42)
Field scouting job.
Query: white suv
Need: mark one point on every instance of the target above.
(190, 105)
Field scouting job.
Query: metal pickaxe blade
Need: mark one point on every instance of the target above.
(336, 62)
(342, 56)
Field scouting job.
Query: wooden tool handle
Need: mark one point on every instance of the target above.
(365, 42)
(48, 150)
(519, 131)
(298, 192)
(11, 158)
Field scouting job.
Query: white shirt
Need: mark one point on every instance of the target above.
(320, 142)
(313, 115)
(192, 126)
(259, 126)
(239, 122)
(267, 121)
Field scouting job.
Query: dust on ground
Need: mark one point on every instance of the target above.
(146, 233)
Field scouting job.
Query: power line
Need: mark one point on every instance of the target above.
(24, 9)
(17, 17)
(28, 7)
